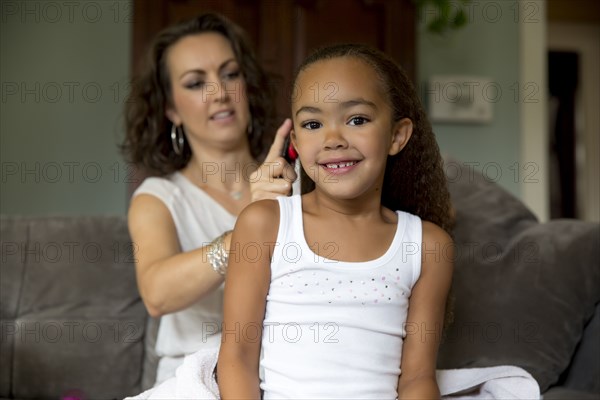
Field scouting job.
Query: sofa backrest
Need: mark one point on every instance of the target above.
(71, 315)
(524, 290)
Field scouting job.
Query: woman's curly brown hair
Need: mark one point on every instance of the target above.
(414, 178)
(147, 141)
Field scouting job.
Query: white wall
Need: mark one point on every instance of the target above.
(492, 46)
(534, 131)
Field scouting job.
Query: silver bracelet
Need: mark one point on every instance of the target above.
(217, 255)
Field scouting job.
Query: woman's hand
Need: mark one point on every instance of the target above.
(275, 176)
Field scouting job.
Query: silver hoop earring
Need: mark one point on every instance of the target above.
(177, 140)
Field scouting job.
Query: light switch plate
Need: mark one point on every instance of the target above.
(462, 99)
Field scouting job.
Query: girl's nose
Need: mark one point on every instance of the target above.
(334, 139)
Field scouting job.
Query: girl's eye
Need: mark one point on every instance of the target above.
(358, 121)
(310, 125)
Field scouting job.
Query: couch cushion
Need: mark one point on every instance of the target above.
(13, 239)
(151, 358)
(523, 290)
(584, 370)
(80, 322)
(561, 393)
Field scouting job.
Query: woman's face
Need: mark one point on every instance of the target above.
(208, 91)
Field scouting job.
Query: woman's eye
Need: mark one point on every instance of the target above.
(358, 121)
(311, 125)
(232, 75)
(194, 85)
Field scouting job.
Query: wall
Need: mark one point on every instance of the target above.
(64, 76)
(487, 47)
(64, 68)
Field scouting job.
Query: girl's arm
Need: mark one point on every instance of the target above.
(426, 316)
(168, 279)
(246, 288)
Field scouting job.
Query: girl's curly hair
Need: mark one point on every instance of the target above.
(414, 178)
(147, 139)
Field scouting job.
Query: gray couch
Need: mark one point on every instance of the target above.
(526, 294)
(73, 324)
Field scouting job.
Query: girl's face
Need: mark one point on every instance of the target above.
(208, 91)
(343, 128)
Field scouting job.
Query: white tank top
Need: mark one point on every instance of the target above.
(199, 219)
(335, 329)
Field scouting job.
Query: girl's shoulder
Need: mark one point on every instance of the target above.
(260, 214)
(265, 207)
(433, 234)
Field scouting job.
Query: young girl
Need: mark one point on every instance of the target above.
(343, 289)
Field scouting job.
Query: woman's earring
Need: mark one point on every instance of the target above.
(177, 139)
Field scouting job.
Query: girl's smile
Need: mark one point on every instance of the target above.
(334, 167)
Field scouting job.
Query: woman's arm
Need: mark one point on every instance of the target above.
(246, 288)
(426, 316)
(168, 279)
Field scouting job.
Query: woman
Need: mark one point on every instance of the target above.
(198, 118)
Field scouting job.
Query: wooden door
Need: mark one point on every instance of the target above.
(284, 32)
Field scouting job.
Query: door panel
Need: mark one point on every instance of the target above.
(284, 32)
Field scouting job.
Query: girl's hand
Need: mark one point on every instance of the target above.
(275, 176)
